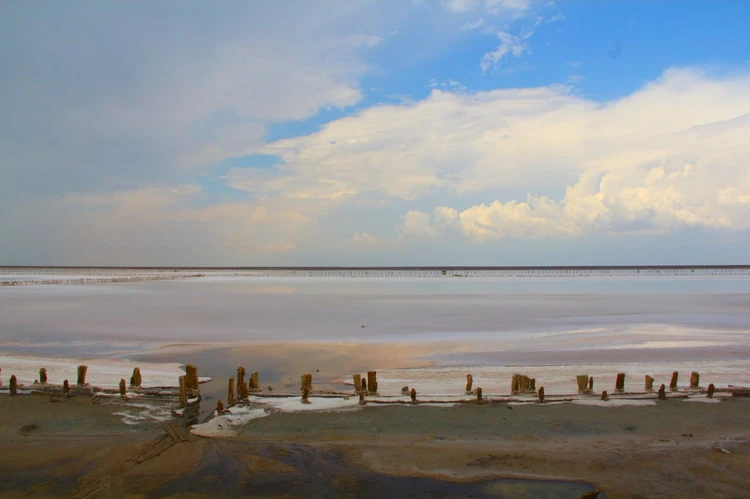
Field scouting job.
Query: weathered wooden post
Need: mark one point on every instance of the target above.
(82, 375)
(244, 393)
(479, 394)
(413, 395)
(13, 385)
(66, 387)
(230, 392)
(541, 394)
(604, 395)
(405, 390)
(523, 383)
(649, 383)
(255, 382)
(219, 407)
(191, 373)
(620, 383)
(673, 382)
(122, 388)
(135, 379)
(357, 378)
(711, 389)
(583, 382)
(42, 375)
(514, 384)
(306, 382)
(372, 382)
(240, 381)
(183, 391)
(469, 382)
(362, 400)
(532, 384)
(364, 385)
(662, 392)
(695, 379)
(591, 384)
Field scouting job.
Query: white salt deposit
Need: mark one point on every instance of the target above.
(103, 373)
(294, 404)
(137, 413)
(225, 425)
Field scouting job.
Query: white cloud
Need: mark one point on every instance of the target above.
(509, 45)
(365, 238)
(459, 5)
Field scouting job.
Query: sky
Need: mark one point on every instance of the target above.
(363, 132)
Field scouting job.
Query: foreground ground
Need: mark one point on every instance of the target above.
(674, 449)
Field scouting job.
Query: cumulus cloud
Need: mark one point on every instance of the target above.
(509, 45)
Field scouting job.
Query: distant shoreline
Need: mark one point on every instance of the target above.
(395, 268)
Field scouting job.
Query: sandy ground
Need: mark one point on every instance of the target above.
(76, 449)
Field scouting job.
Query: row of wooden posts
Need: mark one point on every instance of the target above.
(135, 380)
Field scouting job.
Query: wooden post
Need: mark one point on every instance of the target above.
(695, 380)
(13, 386)
(306, 382)
(42, 375)
(662, 392)
(305, 394)
(711, 389)
(255, 382)
(541, 394)
(620, 383)
(135, 379)
(469, 382)
(243, 391)
(479, 394)
(604, 395)
(191, 373)
(357, 378)
(404, 390)
(82, 375)
(514, 384)
(413, 396)
(230, 392)
(372, 382)
(364, 385)
(673, 382)
(532, 384)
(649, 383)
(122, 388)
(362, 400)
(66, 387)
(240, 381)
(523, 383)
(183, 391)
(591, 384)
(219, 407)
(583, 382)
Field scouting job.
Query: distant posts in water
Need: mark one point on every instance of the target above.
(42, 375)
(711, 389)
(620, 383)
(469, 383)
(230, 392)
(255, 382)
(662, 392)
(13, 386)
(183, 391)
(372, 382)
(66, 387)
(605, 396)
(82, 375)
(582, 380)
(357, 378)
(135, 379)
(123, 391)
(695, 380)
(673, 382)
(541, 394)
(413, 395)
(649, 383)
(243, 389)
(479, 394)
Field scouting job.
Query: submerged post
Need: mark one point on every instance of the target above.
(135, 380)
(532, 384)
(673, 382)
(695, 379)
(711, 389)
(82, 375)
(372, 382)
(230, 392)
(122, 388)
(583, 382)
(42, 375)
(541, 394)
(469, 382)
(357, 378)
(183, 391)
(620, 383)
(649, 383)
(13, 386)
(405, 390)
(662, 392)
(255, 381)
(514, 384)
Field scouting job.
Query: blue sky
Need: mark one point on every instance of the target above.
(488, 132)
